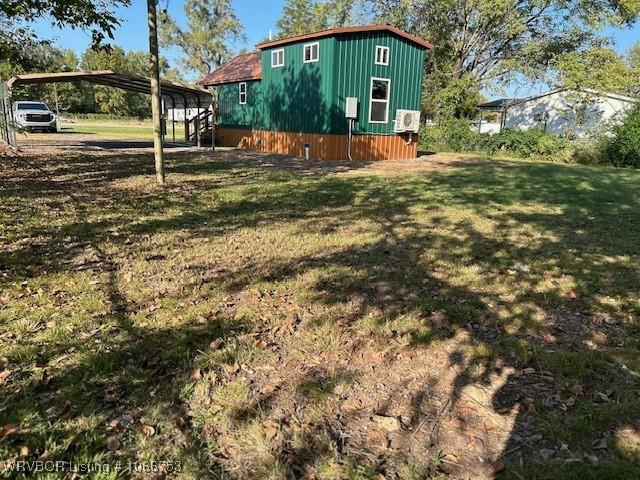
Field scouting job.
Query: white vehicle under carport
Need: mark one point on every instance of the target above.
(34, 116)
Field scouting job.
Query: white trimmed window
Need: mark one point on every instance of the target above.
(242, 93)
(277, 58)
(311, 52)
(379, 100)
(382, 55)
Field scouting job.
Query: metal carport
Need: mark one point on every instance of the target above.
(175, 94)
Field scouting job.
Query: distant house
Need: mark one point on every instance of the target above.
(573, 112)
(312, 89)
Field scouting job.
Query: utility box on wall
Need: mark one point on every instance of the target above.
(351, 107)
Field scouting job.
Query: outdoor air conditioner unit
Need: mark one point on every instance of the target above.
(407, 121)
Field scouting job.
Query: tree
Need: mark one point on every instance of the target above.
(212, 26)
(115, 101)
(299, 17)
(633, 60)
(492, 39)
(20, 48)
(304, 16)
(633, 56)
(459, 98)
(44, 57)
(94, 16)
(598, 68)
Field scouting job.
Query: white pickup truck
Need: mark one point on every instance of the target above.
(34, 116)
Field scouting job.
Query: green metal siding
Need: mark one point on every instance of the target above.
(356, 66)
(297, 96)
(310, 97)
(231, 113)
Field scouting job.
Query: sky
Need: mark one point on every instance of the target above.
(258, 17)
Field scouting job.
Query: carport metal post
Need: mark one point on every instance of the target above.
(155, 90)
(213, 128)
(55, 94)
(173, 118)
(186, 122)
(197, 126)
(163, 121)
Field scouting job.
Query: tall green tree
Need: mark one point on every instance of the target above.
(304, 16)
(633, 60)
(599, 68)
(94, 16)
(493, 41)
(207, 41)
(44, 57)
(22, 51)
(301, 16)
(115, 101)
(489, 39)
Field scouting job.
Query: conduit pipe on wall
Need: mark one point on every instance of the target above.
(350, 138)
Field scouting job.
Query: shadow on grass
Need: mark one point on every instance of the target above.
(565, 239)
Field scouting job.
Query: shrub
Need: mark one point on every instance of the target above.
(623, 148)
(527, 143)
(589, 154)
(457, 136)
(453, 135)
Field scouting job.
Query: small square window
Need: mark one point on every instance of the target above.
(242, 93)
(277, 58)
(382, 55)
(311, 52)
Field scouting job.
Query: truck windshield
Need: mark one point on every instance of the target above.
(33, 106)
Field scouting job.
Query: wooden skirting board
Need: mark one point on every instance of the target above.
(323, 146)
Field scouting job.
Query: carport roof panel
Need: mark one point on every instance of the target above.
(178, 92)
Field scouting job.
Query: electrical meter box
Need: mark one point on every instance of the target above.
(351, 107)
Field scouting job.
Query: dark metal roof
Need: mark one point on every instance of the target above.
(177, 94)
(498, 104)
(330, 32)
(238, 69)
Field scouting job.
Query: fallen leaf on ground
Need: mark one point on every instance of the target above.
(577, 389)
(4, 375)
(231, 369)
(271, 430)
(113, 444)
(7, 430)
(146, 430)
(46, 456)
(602, 397)
(390, 424)
(376, 439)
(600, 444)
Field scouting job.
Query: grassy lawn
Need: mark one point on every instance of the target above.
(251, 322)
(119, 129)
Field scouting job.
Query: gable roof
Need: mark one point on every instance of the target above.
(498, 104)
(330, 32)
(238, 69)
(615, 96)
(180, 93)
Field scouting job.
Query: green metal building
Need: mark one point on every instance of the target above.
(344, 92)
